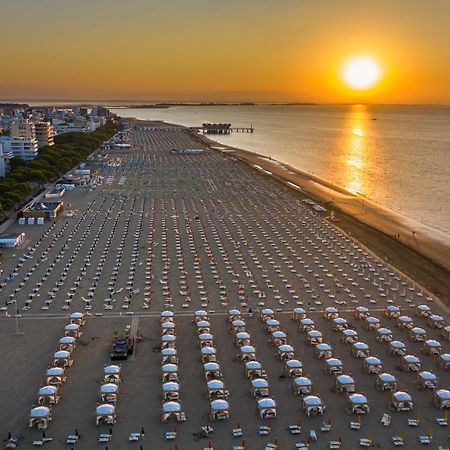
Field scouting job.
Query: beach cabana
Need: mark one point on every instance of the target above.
(444, 361)
(349, 336)
(298, 314)
(167, 328)
(417, 334)
(171, 391)
(371, 323)
(344, 384)
(314, 337)
(203, 326)
(431, 347)
(167, 316)
(392, 312)
(62, 358)
(441, 398)
(77, 318)
(293, 368)
(105, 414)
(171, 410)
(285, 352)
(219, 410)
(401, 401)
(55, 376)
(360, 350)
(216, 390)
(247, 353)
(306, 325)
(333, 366)
(384, 335)
(267, 408)
(212, 371)
(200, 314)
(237, 326)
(206, 340)
(386, 382)
(323, 351)
(313, 406)
(48, 395)
(169, 356)
(253, 369)
(302, 386)
(426, 380)
(404, 322)
(40, 417)
(372, 365)
(67, 343)
(357, 404)
(170, 373)
(108, 393)
(260, 388)
(436, 321)
(168, 341)
(396, 348)
(272, 325)
(242, 338)
(111, 373)
(423, 311)
(445, 332)
(278, 338)
(330, 312)
(233, 314)
(410, 363)
(339, 324)
(73, 329)
(266, 314)
(361, 312)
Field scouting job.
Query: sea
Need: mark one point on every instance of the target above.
(397, 156)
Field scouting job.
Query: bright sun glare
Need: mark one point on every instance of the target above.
(361, 73)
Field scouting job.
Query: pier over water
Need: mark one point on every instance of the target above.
(221, 128)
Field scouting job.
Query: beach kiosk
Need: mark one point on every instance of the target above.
(237, 326)
(208, 354)
(339, 324)
(167, 316)
(40, 417)
(306, 325)
(357, 404)
(167, 328)
(233, 314)
(404, 322)
(386, 382)
(384, 335)
(77, 318)
(247, 353)
(205, 340)
(330, 312)
(266, 314)
(396, 348)
(417, 334)
(349, 336)
(260, 388)
(410, 363)
(401, 401)
(171, 391)
(313, 406)
(392, 312)
(253, 369)
(436, 321)
(267, 408)
(426, 380)
(272, 325)
(212, 371)
(333, 366)
(172, 410)
(444, 361)
(345, 384)
(371, 323)
(431, 347)
(360, 312)
(168, 341)
(293, 368)
(55, 376)
(73, 329)
(423, 311)
(203, 326)
(360, 350)
(62, 358)
(323, 351)
(298, 314)
(48, 395)
(242, 338)
(216, 390)
(170, 373)
(314, 337)
(285, 352)
(200, 314)
(105, 413)
(441, 398)
(302, 386)
(67, 343)
(111, 374)
(278, 338)
(219, 410)
(372, 365)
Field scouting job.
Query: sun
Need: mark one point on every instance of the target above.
(361, 73)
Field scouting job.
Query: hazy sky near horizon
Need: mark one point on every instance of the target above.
(234, 50)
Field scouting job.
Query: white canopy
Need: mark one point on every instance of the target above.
(215, 384)
(111, 369)
(105, 409)
(55, 371)
(171, 387)
(109, 388)
(67, 340)
(61, 354)
(386, 377)
(259, 383)
(167, 313)
(201, 313)
(169, 368)
(205, 337)
(294, 364)
(358, 399)
(47, 390)
(211, 366)
(40, 412)
(253, 365)
(219, 405)
(169, 351)
(168, 338)
(76, 315)
(72, 327)
(243, 335)
(208, 351)
(302, 381)
(345, 379)
(171, 407)
(266, 311)
(267, 403)
(401, 396)
(203, 324)
(248, 349)
(312, 400)
(443, 394)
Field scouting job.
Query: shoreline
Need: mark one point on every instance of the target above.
(406, 244)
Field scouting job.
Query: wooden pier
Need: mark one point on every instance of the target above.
(221, 128)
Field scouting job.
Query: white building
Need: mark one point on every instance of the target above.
(27, 149)
(4, 161)
(44, 134)
(23, 129)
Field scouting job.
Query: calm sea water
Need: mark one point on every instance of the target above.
(398, 156)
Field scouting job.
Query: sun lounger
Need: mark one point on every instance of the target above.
(326, 427)
(134, 437)
(38, 443)
(413, 422)
(425, 440)
(270, 446)
(104, 437)
(398, 441)
(237, 432)
(365, 442)
(264, 430)
(442, 421)
(294, 429)
(355, 426)
(170, 435)
(334, 444)
(72, 439)
(386, 420)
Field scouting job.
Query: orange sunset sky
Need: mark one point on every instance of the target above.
(228, 50)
